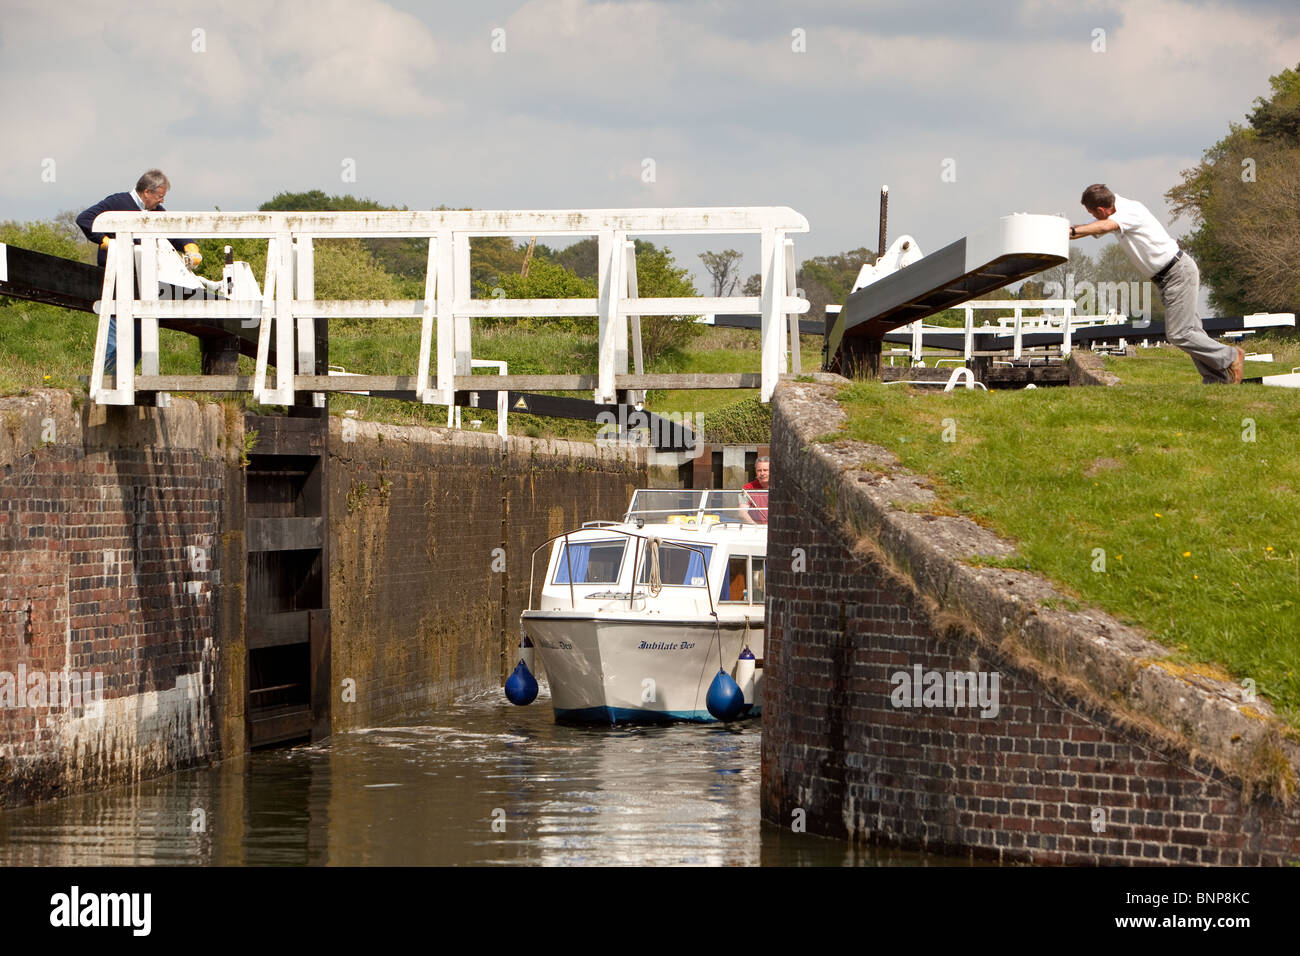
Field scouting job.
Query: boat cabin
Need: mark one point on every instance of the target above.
(676, 543)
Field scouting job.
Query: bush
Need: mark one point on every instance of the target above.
(747, 422)
(58, 238)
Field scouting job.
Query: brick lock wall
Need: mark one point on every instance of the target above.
(99, 576)
(1051, 778)
(416, 517)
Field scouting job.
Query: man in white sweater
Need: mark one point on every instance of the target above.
(1155, 254)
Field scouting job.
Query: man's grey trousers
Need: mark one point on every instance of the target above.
(1178, 291)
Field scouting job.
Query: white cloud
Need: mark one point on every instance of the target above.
(586, 91)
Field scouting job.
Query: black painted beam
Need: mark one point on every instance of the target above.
(664, 434)
(806, 326)
(40, 277)
(986, 340)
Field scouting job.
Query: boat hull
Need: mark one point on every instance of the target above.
(612, 669)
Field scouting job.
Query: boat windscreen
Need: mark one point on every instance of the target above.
(655, 505)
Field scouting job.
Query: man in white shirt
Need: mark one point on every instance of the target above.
(1155, 254)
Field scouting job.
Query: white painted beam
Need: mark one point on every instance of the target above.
(609, 283)
(305, 290)
(486, 222)
(771, 308)
(422, 390)
(634, 319)
(444, 298)
(260, 391)
(460, 293)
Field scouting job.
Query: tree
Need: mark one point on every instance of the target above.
(827, 280)
(1244, 200)
(658, 276)
(404, 258)
(546, 280)
(314, 200)
(491, 259)
(1122, 288)
(580, 258)
(61, 237)
(1065, 279)
(724, 266)
(346, 269)
(1278, 119)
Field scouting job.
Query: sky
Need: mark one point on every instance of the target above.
(968, 111)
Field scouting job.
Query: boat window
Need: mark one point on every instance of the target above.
(593, 562)
(678, 566)
(734, 585)
(743, 582)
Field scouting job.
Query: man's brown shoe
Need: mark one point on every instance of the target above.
(1235, 369)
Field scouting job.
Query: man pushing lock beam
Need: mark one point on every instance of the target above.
(1155, 254)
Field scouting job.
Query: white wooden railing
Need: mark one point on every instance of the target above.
(287, 305)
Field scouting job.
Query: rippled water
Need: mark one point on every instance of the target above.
(480, 782)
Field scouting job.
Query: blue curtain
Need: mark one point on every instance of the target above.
(670, 561)
(578, 556)
(696, 567)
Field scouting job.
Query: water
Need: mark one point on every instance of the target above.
(478, 783)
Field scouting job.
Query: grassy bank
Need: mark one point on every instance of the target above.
(1170, 504)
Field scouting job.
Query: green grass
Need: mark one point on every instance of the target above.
(43, 345)
(720, 350)
(38, 340)
(1200, 529)
(1167, 366)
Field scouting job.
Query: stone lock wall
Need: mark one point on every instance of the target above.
(432, 533)
(1089, 752)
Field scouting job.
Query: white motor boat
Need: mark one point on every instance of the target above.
(636, 618)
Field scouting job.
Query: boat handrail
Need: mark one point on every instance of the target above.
(532, 567)
(598, 524)
(732, 526)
